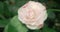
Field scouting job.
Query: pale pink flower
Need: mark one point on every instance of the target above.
(32, 14)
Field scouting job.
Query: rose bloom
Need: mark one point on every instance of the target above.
(32, 14)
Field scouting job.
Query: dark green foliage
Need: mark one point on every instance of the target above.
(43, 1)
(9, 8)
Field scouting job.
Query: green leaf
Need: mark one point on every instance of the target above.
(16, 26)
(10, 28)
(57, 10)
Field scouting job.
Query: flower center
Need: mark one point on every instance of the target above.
(31, 14)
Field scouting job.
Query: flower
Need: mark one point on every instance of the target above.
(32, 14)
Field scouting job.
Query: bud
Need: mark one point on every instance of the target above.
(32, 14)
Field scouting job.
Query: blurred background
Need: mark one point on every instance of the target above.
(9, 8)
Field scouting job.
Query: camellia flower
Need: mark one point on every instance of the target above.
(32, 14)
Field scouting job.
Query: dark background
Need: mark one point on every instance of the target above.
(9, 8)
